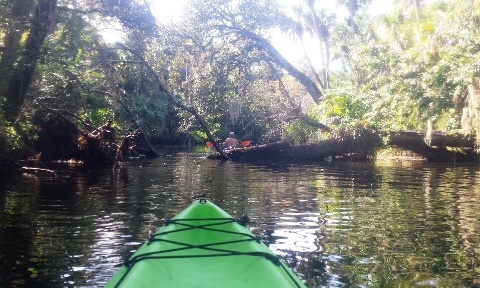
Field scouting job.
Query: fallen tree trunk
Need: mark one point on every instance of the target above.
(358, 146)
(285, 152)
(361, 144)
(437, 146)
(408, 138)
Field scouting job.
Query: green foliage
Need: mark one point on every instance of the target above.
(298, 132)
(98, 116)
(64, 69)
(412, 70)
(346, 105)
(449, 120)
(10, 139)
(395, 71)
(155, 115)
(16, 139)
(198, 136)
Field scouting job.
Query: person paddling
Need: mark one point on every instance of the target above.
(230, 142)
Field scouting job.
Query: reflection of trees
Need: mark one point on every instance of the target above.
(379, 225)
(51, 230)
(409, 226)
(13, 238)
(36, 234)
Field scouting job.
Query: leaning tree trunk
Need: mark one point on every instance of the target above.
(22, 75)
(308, 83)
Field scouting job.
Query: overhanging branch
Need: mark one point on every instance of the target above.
(300, 115)
(277, 57)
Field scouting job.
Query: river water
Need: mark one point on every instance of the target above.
(384, 224)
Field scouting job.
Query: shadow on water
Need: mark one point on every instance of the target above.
(336, 224)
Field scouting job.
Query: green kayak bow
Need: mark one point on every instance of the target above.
(203, 246)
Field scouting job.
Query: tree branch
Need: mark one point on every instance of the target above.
(310, 85)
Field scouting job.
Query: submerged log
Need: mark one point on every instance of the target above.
(38, 171)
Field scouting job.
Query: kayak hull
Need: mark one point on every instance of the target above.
(203, 246)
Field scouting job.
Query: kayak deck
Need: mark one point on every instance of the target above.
(203, 246)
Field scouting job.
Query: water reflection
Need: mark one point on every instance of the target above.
(336, 224)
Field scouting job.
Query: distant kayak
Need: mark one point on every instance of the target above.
(203, 246)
